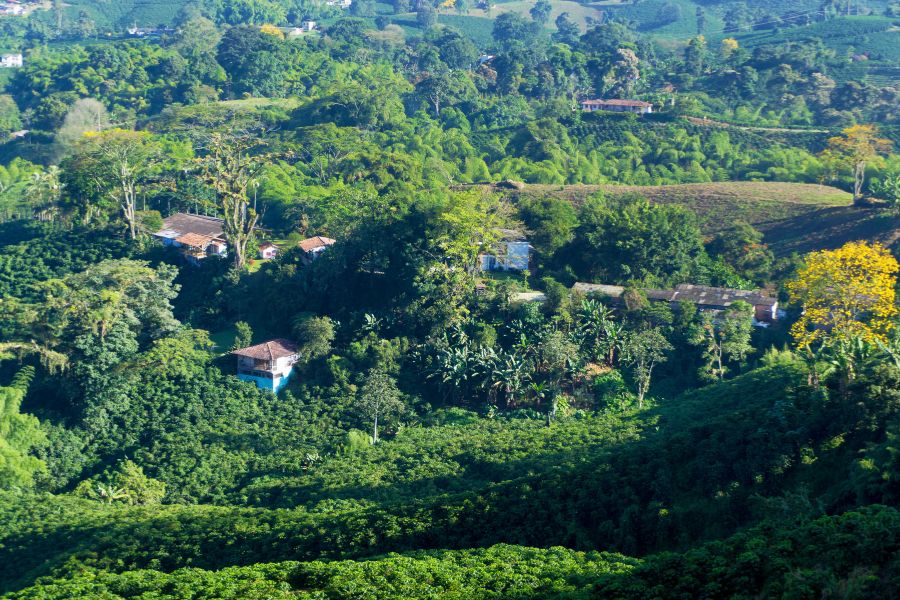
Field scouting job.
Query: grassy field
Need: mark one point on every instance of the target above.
(795, 217)
(578, 12)
(646, 14)
(121, 13)
(874, 35)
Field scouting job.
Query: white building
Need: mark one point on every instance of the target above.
(269, 365)
(511, 253)
(12, 9)
(11, 61)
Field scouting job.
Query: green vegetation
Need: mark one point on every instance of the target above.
(465, 416)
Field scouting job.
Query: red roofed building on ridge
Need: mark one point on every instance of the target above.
(314, 246)
(269, 365)
(633, 106)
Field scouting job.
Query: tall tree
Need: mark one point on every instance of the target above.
(43, 192)
(118, 161)
(643, 351)
(856, 148)
(567, 30)
(540, 12)
(230, 161)
(845, 293)
(19, 435)
(314, 336)
(723, 338)
(426, 15)
(379, 399)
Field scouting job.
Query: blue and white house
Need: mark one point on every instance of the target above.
(269, 365)
(511, 253)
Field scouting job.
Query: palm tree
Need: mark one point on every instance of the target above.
(603, 336)
(43, 191)
(111, 494)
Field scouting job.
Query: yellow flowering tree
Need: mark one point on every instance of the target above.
(272, 30)
(729, 46)
(857, 147)
(845, 293)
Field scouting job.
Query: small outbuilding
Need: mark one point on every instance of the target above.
(511, 253)
(268, 250)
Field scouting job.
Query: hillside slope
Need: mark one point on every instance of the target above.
(700, 473)
(824, 557)
(795, 217)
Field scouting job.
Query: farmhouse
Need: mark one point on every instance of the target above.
(11, 61)
(135, 31)
(269, 365)
(632, 106)
(511, 253)
(706, 298)
(268, 250)
(12, 8)
(315, 246)
(196, 236)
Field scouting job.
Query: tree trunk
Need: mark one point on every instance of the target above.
(375, 431)
(859, 178)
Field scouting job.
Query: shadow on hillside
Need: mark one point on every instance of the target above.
(832, 227)
(691, 477)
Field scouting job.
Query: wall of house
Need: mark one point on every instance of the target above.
(517, 254)
(275, 385)
(766, 313)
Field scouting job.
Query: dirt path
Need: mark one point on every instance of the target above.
(711, 123)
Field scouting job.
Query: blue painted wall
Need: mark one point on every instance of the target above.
(264, 383)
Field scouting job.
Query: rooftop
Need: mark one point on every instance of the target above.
(697, 294)
(613, 291)
(601, 102)
(194, 239)
(716, 296)
(316, 242)
(271, 350)
(180, 224)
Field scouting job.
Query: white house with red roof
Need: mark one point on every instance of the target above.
(269, 365)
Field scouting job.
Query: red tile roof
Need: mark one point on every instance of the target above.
(194, 240)
(182, 223)
(315, 242)
(271, 350)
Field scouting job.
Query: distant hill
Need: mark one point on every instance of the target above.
(123, 13)
(795, 217)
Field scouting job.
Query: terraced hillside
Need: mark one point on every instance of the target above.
(796, 217)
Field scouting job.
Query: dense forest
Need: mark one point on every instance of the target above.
(365, 300)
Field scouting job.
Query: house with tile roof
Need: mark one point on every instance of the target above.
(268, 250)
(269, 365)
(313, 247)
(196, 236)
